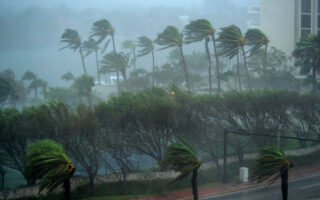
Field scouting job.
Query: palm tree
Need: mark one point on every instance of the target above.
(131, 45)
(147, 47)
(231, 42)
(47, 161)
(181, 156)
(307, 53)
(171, 37)
(116, 62)
(35, 83)
(272, 164)
(73, 41)
(28, 75)
(101, 29)
(199, 30)
(68, 77)
(89, 46)
(257, 40)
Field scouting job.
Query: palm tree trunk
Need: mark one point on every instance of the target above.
(184, 67)
(238, 71)
(194, 183)
(115, 51)
(67, 191)
(82, 59)
(284, 184)
(152, 53)
(245, 65)
(314, 79)
(123, 72)
(209, 66)
(92, 188)
(97, 63)
(134, 61)
(265, 65)
(217, 62)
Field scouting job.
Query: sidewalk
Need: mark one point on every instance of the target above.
(229, 187)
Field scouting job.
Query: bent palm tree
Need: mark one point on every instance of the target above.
(89, 46)
(129, 44)
(72, 39)
(147, 47)
(68, 77)
(102, 29)
(181, 156)
(171, 37)
(256, 39)
(116, 62)
(47, 161)
(231, 42)
(307, 53)
(272, 164)
(28, 75)
(199, 30)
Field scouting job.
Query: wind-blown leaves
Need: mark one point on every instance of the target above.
(269, 165)
(256, 39)
(68, 76)
(146, 46)
(181, 156)
(170, 37)
(230, 40)
(112, 62)
(47, 161)
(198, 30)
(101, 29)
(71, 38)
(89, 46)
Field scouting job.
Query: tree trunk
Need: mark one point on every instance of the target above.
(238, 71)
(67, 189)
(209, 66)
(97, 63)
(265, 65)
(91, 185)
(284, 183)
(152, 53)
(134, 61)
(123, 72)
(36, 92)
(245, 66)
(217, 62)
(82, 59)
(194, 183)
(314, 79)
(115, 51)
(184, 68)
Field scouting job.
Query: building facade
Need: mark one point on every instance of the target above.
(286, 21)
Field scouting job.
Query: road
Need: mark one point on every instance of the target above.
(306, 188)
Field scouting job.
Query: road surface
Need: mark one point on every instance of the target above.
(306, 188)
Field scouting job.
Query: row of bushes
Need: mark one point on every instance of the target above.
(146, 122)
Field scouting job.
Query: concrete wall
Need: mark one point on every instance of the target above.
(278, 20)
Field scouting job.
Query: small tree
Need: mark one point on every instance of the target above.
(272, 164)
(47, 161)
(181, 156)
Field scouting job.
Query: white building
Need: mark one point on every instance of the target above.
(286, 21)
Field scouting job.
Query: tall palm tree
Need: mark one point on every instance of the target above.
(272, 164)
(231, 42)
(257, 40)
(131, 45)
(147, 47)
(47, 161)
(101, 30)
(199, 30)
(72, 39)
(307, 53)
(28, 75)
(116, 62)
(171, 37)
(90, 46)
(34, 84)
(181, 156)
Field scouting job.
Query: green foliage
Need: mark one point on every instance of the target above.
(230, 39)
(170, 37)
(71, 38)
(113, 62)
(269, 164)
(256, 39)
(90, 46)
(146, 46)
(198, 30)
(68, 77)
(47, 161)
(181, 156)
(100, 30)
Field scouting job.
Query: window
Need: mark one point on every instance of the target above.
(306, 17)
(305, 21)
(305, 6)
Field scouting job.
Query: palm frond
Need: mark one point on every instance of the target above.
(71, 38)
(146, 46)
(256, 39)
(198, 30)
(170, 37)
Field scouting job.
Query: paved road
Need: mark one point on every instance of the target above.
(306, 188)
